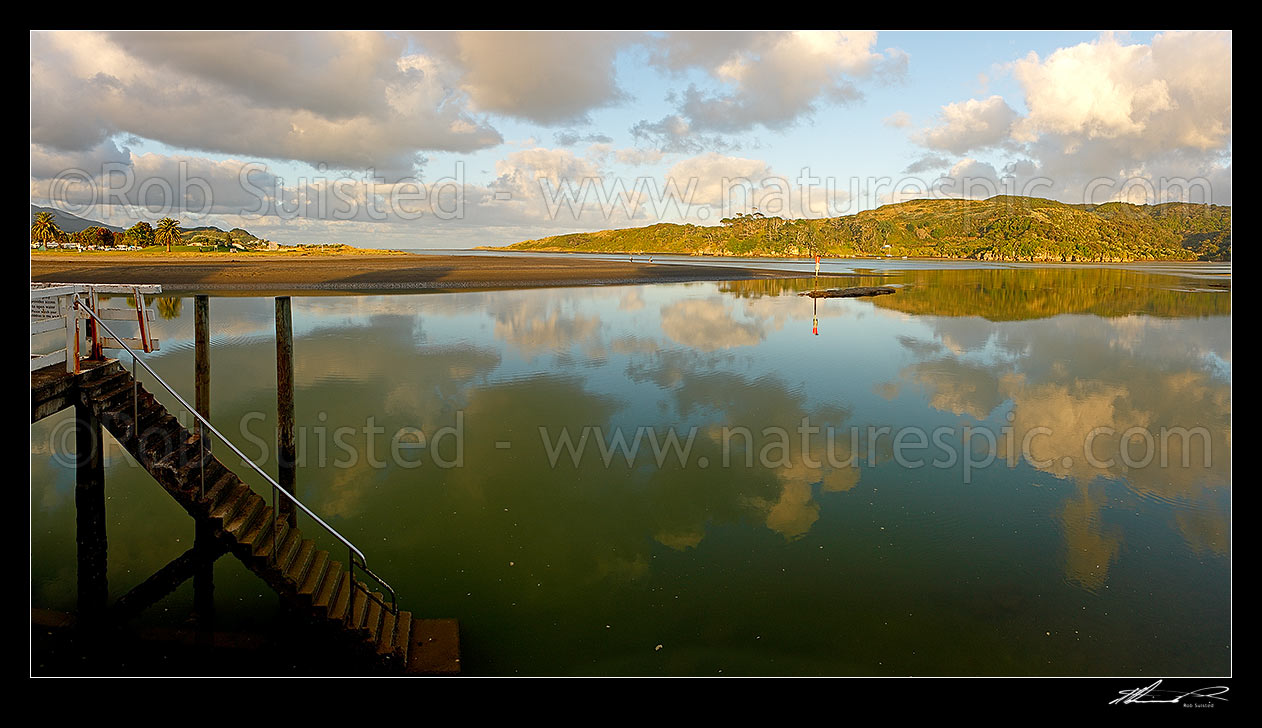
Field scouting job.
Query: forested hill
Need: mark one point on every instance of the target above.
(999, 228)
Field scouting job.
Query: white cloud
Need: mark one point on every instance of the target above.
(548, 78)
(715, 174)
(1174, 93)
(968, 125)
(1106, 120)
(898, 120)
(766, 79)
(349, 100)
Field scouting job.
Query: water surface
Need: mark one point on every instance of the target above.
(776, 553)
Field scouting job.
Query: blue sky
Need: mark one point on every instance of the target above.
(122, 122)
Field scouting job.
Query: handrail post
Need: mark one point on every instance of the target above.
(135, 400)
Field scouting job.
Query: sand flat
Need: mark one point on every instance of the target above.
(368, 272)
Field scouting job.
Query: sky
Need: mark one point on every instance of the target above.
(460, 139)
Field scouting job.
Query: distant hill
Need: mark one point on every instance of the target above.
(209, 235)
(998, 228)
(71, 223)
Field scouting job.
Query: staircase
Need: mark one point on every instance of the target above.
(315, 586)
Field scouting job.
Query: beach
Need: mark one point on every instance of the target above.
(368, 272)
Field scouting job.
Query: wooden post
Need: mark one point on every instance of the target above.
(203, 537)
(90, 515)
(286, 449)
(201, 333)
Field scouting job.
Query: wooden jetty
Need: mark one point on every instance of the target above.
(344, 603)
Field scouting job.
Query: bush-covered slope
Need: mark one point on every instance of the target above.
(999, 228)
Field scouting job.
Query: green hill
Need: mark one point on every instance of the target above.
(998, 228)
(209, 235)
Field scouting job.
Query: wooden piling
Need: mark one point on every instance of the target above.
(90, 515)
(201, 354)
(286, 448)
(203, 535)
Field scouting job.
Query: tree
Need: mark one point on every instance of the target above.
(44, 230)
(140, 234)
(98, 236)
(167, 232)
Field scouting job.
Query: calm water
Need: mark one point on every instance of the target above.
(836, 551)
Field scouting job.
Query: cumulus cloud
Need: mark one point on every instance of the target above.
(348, 100)
(1174, 93)
(520, 172)
(734, 185)
(547, 78)
(713, 176)
(968, 125)
(769, 79)
(1105, 120)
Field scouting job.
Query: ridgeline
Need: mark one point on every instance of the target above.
(998, 228)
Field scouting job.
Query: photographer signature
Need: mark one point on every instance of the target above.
(1151, 694)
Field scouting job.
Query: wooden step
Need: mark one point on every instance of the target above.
(359, 605)
(124, 428)
(386, 636)
(120, 396)
(192, 471)
(120, 421)
(330, 588)
(296, 572)
(186, 450)
(314, 576)
(372, 618)
(155, 440)
(288, 550)
(230, 504)
(401, 633)
(257, 530)
(340, 607)
(246, 516)
(95, 375)
(218, 491)
(94, 388)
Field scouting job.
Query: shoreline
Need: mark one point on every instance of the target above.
(875, 258)
(359, 274)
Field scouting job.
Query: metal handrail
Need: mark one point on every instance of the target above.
(276, 487)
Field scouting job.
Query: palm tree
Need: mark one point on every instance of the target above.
(45, 230)
(167, 232)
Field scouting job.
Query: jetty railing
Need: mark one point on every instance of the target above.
(356, 558)
(53, 309)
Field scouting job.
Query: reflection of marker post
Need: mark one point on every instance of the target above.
(815, 316)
